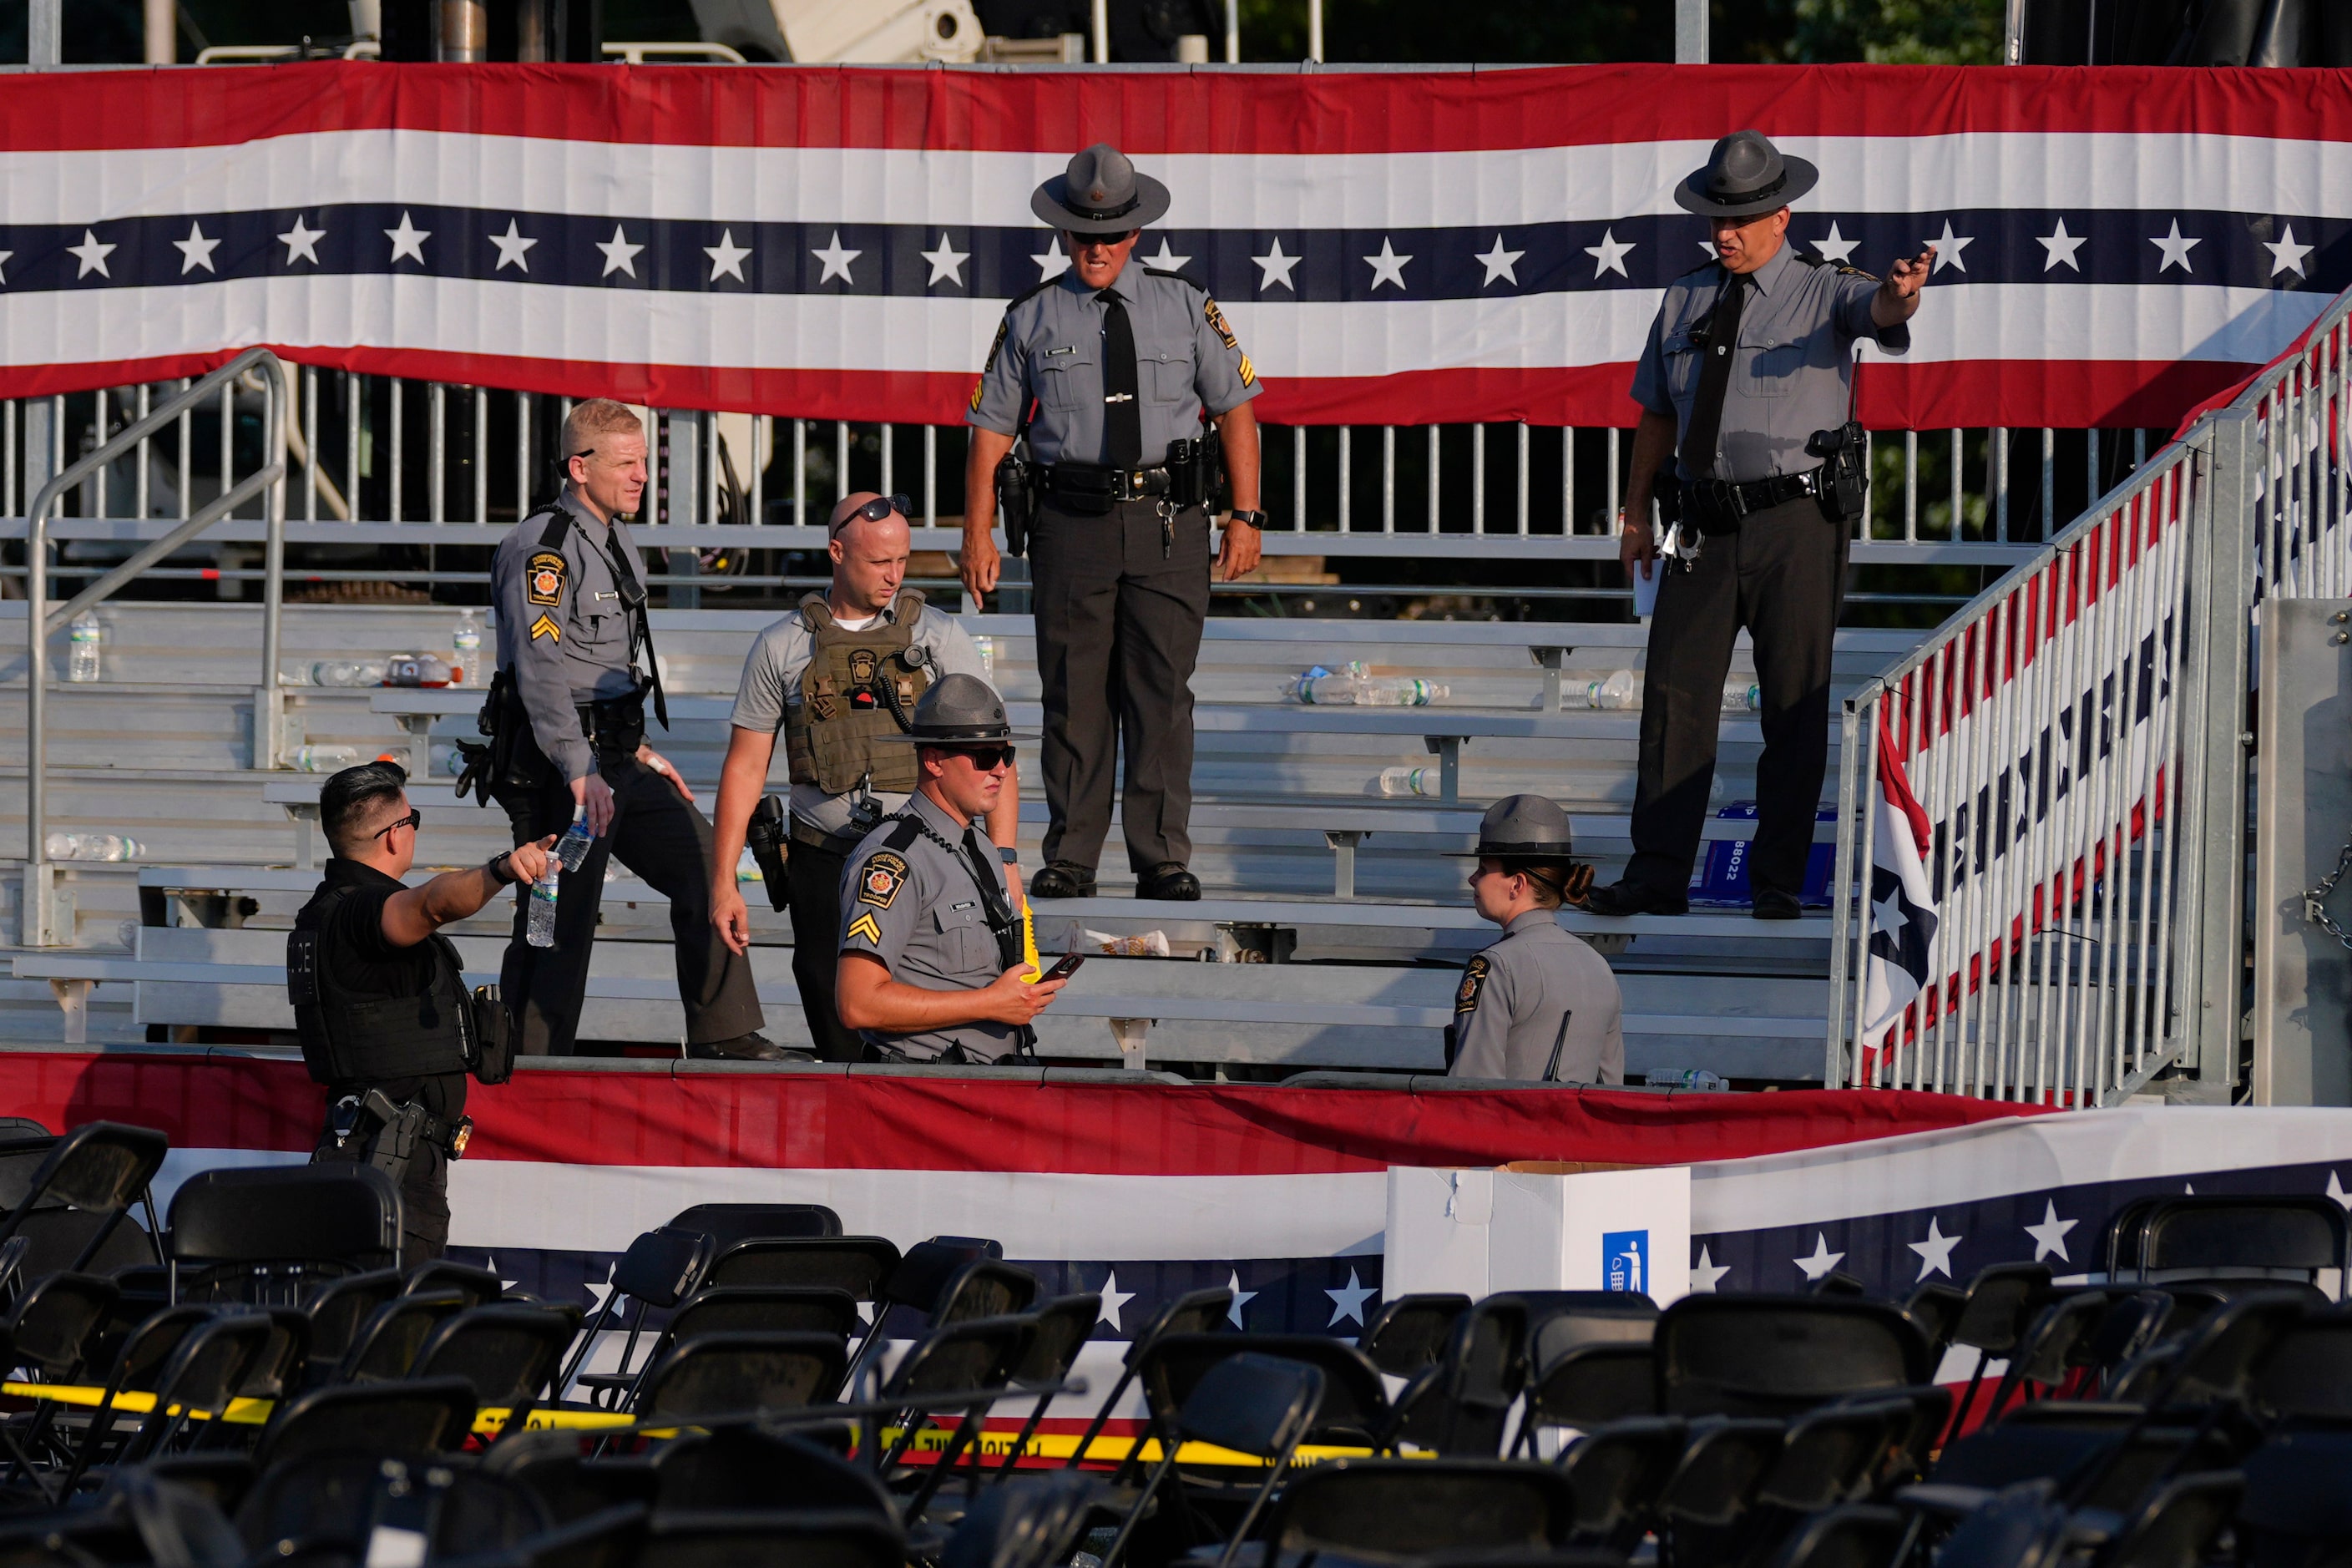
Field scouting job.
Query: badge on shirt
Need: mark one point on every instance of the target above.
(544, 577)
(1217, 325)
(545, 626)
(880, 879)
(861, 665)
(1474, 980)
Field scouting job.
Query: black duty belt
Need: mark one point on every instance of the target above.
(815, 837)
(1717, 505)
(1088, 481)
(449, 1137)
(614, 725)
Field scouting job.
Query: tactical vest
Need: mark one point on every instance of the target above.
(349, 1037)
(858, 686)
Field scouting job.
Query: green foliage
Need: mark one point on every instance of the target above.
(1882, 32)
(1571, 32)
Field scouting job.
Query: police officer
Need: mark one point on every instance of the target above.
(380, 1000)
(569, 708)
(1121, 362)
(837, 675)
(930, 967)
(1745, 384)
(1539, 1003)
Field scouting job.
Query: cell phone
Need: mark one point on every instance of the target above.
(1064, 967)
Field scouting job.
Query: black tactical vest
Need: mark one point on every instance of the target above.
(348, 1037)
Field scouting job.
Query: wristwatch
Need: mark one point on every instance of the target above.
(1254, 518)
(1009, 854)
(501, 866)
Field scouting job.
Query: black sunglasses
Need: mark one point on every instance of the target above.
(415, 819)
(984, 759)
(877, 508)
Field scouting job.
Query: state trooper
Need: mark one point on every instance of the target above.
(1541, 1004)
(1746, 387)
(840, 676)
(566, 719)
(930, 949)
(1123, 365)
(381, 1008)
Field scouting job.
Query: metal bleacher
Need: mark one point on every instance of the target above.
(1330, 936)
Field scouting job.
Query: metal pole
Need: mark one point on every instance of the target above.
(1313, 31)
(271, 702)
(1690, 32)
(162, 21)
(44, 34)
(1232, 32)
(1102, 32)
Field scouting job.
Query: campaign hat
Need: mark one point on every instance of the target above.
(1100, 193)
(1745, 175)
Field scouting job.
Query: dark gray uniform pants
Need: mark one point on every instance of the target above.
(1783, 576)
(424, 1193)
(1119, 631)
(655, 833)
(812, 888)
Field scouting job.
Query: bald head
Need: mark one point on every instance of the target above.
(869, 558)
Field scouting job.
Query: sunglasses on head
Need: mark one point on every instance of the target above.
(415, 819)
(877, 508)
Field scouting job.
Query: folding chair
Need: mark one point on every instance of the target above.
(1461, 1407)
(136, 1364)
(339, 1308)
(1780, 1356)
(508, 1354)
(1407, 1335)
(951, 1279)
(2297, 1511)
(385, 1346)
(266, 1234)
(1351, 1409)
(480, 1287)
(2003, 1301)
(735, 1377)
(605, 1538)
(2046, 1353)
(2306, 1378)
(1059, 1330)
(745, 1467)
(100, 1169)
(354, 1505)
(1835, 1455)
(661, 1269)
(1702, 1510)
(975, 1357)
(1616, 1473)
(424, 1416)
(1257, 1404)
(749, 1539)
(734, 1309)
(727, 1224)
(1030, 1522)
(1936, 1308)
(1858, 1535)
(570, 1485)
(53, 1329)
(861, 1265)
(1588, 1355)
(1194, 1312)
(209, 1362)
(1412, 1508)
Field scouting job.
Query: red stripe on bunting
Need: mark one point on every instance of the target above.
(1153, 112)
(2025, 394)
(822, 1121)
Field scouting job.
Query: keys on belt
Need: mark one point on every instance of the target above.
(1091, 482)
(1717, 505)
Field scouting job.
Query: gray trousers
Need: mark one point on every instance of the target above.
(1119, 608)
(655, 833)
(1783, 576)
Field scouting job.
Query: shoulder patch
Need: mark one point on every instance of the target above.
(996, 347)
(545, 626)
(1217, 325)
(865, 926)
(543, 576)
(1474, 980)
(879, 880)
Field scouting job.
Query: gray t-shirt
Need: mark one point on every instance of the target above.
(772, 679)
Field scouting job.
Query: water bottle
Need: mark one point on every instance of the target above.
(112, 847)
(1411, 780)
(466, 651)
(348, 672)
(415, 670)
(82, 646)
(747, 869)
(987, 646)
(1398, 691)
(1617, 691)
(572, 847)
(570, 851)
(327, 759)
(1742, 697)
(1321, 687)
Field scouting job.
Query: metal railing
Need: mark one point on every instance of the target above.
(2077, 738)
(266, 485)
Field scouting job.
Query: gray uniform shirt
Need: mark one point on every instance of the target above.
(772, 679)
(1790, 373)
(562, 628)
(1050, 347)
(1507, 1014)
(918, 909)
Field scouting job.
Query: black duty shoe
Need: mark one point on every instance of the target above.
(1063, 879)
(1772, 904)
(1623, 899)
(745, 1049)
(1169, 881)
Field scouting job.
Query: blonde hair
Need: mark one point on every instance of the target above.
(597, 417)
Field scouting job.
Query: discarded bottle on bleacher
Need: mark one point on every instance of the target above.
(85, 642)
(1411, 780)
(415, 670)
(1618, 691)
(327, 759)
(348, 672)
(466, 651)
(92, 846)
(1369, 690)
(1742, 697)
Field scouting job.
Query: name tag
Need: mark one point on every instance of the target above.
(1052, 354)
(967, 904)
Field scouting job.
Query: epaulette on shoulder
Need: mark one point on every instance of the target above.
(1029, 293)
(1842, 268)
(559, 525)
(1180, 276)
(904, 831)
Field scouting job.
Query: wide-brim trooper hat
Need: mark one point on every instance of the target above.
(1521, 827)
(1100, 194)
(959, 710)
(1745, 175)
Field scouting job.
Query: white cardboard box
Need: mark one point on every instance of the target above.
(1481, 1231)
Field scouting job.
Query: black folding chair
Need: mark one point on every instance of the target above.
(1407, 1335)
(208, 1365)
(1588, 1359)
(1724, 1463)
(606, 1538)
(507, 1352)
(2272, 1238)
(1859, 1535)
(950, 1279)
(860, 1265)
(134, 1366)
(480, 1287)
(2306, 1378)
(1255, 1404)
(1351, 1409)
(98, 1170)
(1194, 1312)
(54, 1330)
(268, 1233)
(1461, 1407)
(746, 1539)
(1030, 1522)
(1780, 1356)
(719, 1378)
(661, 1269)
(2297, 1511)
(745, 1467)
(1835, 1455)
(1616, 1475)
(339, 1308)
(973, 1358)
(422, 1417)
(1387, 1509)
(727, 1224)
(1059, 1330)
(734, 1309)
(351, 1506)
(2003, 1301)
(385, 1346)
(2050, 1348)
